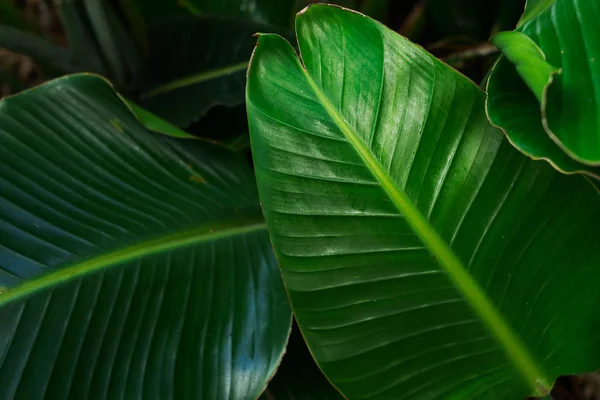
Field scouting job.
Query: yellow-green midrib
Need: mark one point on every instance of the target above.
(127, 254)
(513, 346)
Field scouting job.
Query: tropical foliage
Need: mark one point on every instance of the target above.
(183, 189)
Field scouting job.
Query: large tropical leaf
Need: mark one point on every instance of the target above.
(424, 257)
(544, 92)
(133, 265)
(196, 63)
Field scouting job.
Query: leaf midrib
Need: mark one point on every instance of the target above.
(204, 234)
(195, 79)
(515, 349)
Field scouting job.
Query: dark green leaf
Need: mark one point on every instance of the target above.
(137, 265)
(156, 124)
(53, 59)
(116, 43)
(196, 63)
(80, 36)
(424, 257)
(136, 23)
(260, 11)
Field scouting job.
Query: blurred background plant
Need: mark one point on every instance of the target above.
(185, 60)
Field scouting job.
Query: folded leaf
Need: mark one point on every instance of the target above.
(133, 264)
(567, 110)
(424, 257)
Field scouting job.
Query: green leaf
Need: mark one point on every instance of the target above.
(116, 44)
(512, 106)
(298, 377)
(153, 123)
(136, 23)
(260, 11)
(567, 108)
(81, 37)
(181, 81)
(528, 60)
(424, 257)
(513, 103)
(533, 8)
(137, 265)
(53, 59)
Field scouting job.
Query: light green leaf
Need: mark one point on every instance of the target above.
(567, 110)
(424, 257)
(133, 264)
(159, 125)
(528, 59)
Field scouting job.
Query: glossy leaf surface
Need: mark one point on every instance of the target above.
(133, 264)
(563, 115)
(419, 249)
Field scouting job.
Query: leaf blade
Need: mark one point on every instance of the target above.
(127, 255)
(380, 315)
